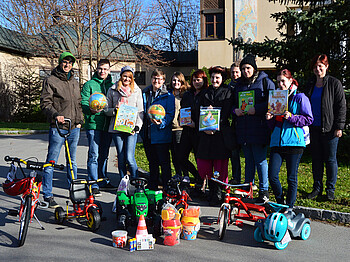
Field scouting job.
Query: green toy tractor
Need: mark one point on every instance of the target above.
(143, 201)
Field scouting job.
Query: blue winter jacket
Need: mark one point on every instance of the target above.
(252, 129)
(290, 132)
(158, 134)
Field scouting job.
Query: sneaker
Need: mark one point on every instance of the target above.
(186, 179)
(255, 187)
(263, 198)
(315, 193)
(49, 202)
(330, 195)
(108, 187)
(96, 192)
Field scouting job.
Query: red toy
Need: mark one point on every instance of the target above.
(29, 187)
(177, 195)
(231, 210)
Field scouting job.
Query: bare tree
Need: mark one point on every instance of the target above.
(178, 24)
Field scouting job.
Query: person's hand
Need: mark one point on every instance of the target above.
(95, 111)
(287, 115)
(78, 126)
(239, 112)
(209, 132)
(269, 116)
(251, 111)
(338, 133)
(156, 122)
(192, 125)
(60, 119)
(210, 107)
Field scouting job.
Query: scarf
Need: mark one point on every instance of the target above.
(125, 92)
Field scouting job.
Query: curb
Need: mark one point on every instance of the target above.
(20, 132)
(323, 214)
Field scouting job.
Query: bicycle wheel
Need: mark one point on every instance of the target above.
(223, 223)
(24, 220)
(94, 219)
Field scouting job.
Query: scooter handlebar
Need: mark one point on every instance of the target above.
(69, 127)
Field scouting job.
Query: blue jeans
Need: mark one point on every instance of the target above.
(99, 142)
(255, 156)
(55, 145)
(292, 163)
(324, 151)
(125, 144)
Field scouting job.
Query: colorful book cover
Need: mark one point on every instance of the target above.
(125, 119)
(185, 116)
(246, 100)
(209, 119)
(278, 102)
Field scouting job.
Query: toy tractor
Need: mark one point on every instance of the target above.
(141, 202)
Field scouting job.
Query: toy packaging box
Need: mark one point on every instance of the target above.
(145, 242)
(209, 119)
(278, 102)
(246, 100)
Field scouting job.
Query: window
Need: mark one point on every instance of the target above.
(214, 26)
(140, 77)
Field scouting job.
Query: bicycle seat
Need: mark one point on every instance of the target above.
(79, 191)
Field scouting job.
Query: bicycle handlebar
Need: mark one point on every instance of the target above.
(34, 165)
(229, 185)
(69, 127)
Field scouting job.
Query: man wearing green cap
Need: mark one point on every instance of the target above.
(60, 99)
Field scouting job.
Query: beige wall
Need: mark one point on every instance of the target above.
(219, 52)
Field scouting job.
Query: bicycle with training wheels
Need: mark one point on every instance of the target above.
(29, 187)
(80, 193)
(240, 205)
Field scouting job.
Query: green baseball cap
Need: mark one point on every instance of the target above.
(64, 55)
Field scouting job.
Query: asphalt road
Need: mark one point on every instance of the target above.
(74, 242)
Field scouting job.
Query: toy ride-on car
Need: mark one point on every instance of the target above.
(130, 206)
(280, 227)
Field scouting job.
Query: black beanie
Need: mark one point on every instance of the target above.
(250, 60)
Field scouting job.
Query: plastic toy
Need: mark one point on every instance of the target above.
(80, 194)
(156, 112)
(231, 210)
(171, 225)
(97, 101)
(280, 227)
(144, 202)
(190, 223)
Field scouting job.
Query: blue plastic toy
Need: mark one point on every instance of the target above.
(280, 228)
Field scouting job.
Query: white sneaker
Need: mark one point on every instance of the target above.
(255, 187)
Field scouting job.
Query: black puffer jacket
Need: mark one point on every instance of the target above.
(220, 144)
(61, 97)
(333, 104)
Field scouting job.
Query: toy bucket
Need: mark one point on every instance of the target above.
(172, 231)
(189, 232)
(119, 238)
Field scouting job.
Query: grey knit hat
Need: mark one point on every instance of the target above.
(250, 60)
(127, 68)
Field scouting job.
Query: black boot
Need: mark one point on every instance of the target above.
(216, 198)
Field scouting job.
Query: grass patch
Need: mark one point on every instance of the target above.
(23, 126)
(305, 182)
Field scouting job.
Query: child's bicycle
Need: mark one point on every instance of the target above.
(231, 210)
(29, 187)
(80, 194)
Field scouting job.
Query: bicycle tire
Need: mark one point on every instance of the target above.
(24, 220)
(223, 223)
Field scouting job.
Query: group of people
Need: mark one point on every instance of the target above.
(322, 108)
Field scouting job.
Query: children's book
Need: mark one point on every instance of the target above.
(125, 119)
(278, 102)
(209, 119)
(185, 116)
(246, 100)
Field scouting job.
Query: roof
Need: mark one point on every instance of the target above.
(62, 38)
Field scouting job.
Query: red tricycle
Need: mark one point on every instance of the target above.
(80, 194)
(176, 194)
(231, 210)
